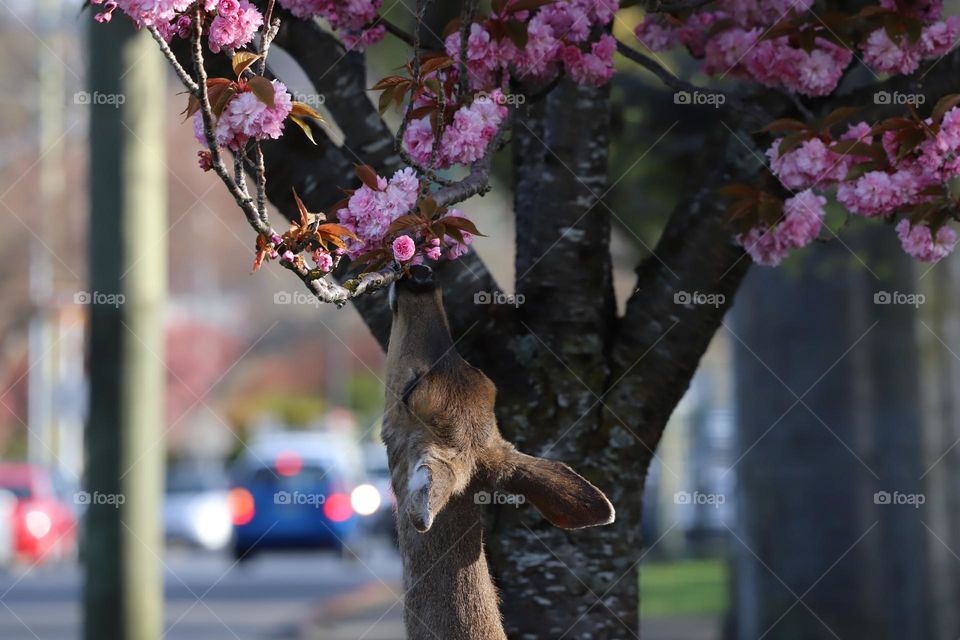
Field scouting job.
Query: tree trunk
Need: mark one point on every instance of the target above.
(123, 595)
(827, 398)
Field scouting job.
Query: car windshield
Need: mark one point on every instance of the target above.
(194, 480)
(307, 477)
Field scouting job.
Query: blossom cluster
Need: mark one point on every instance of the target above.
(898, 183)
(464, 140)
(354, 20)
(246, 117)
(371, 209)
(799, 226)
(746, 39)
(232, 23)
(557, 38)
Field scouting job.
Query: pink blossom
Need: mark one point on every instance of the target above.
(148, 13)
(246, 117)
(883, 54)
(918, 241)
(455, 248)
(352, 19)
(465, 140)
(655, 35)
(369, 212)
(874, 194)
(810, 164)
(799, 226)
(939, 38)
(764, 246)
(482, 58)
(594, 68)
(404, 248)
(323, 260)
(433, 251)
(228, 7)
(236, 29)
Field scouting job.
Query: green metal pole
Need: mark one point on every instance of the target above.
(124, 436)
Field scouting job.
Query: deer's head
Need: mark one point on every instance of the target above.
(441, 431)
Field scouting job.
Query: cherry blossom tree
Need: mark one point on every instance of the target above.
(825, 98)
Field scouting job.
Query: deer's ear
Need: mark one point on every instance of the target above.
(559, 493)
(429, 488)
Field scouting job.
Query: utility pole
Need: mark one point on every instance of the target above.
(123, 596)
(41, 445)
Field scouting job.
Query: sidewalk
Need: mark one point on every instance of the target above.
(369, 613)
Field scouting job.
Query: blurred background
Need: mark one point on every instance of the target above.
(815, 451)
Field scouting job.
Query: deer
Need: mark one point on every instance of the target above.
(446, 455)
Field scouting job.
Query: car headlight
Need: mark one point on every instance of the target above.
(365, 499)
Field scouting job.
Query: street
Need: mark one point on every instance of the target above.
(209, 597)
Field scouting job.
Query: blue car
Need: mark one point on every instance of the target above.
(291, 498)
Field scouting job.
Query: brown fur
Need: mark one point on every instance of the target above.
(441, 433)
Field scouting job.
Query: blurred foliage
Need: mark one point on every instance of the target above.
(688, 587)
(365, 397)
(296, 410)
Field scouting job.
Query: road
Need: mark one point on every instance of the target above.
(301, 596)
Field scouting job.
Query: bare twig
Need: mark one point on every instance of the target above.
(216, 159)
(185, 78)
(665, 76)
(477, 182)
(397, 31)
(656, 6)
(261, 172)
(467, 11)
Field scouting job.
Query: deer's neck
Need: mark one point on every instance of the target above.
(448, 590)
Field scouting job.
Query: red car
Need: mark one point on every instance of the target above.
(44, 526)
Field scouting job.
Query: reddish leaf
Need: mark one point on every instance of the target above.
(403, 222)
(300, 109)
(368, 176)
(263, 89)
(462, 223)
(305, 127)
(242, 61)
(333, 228)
